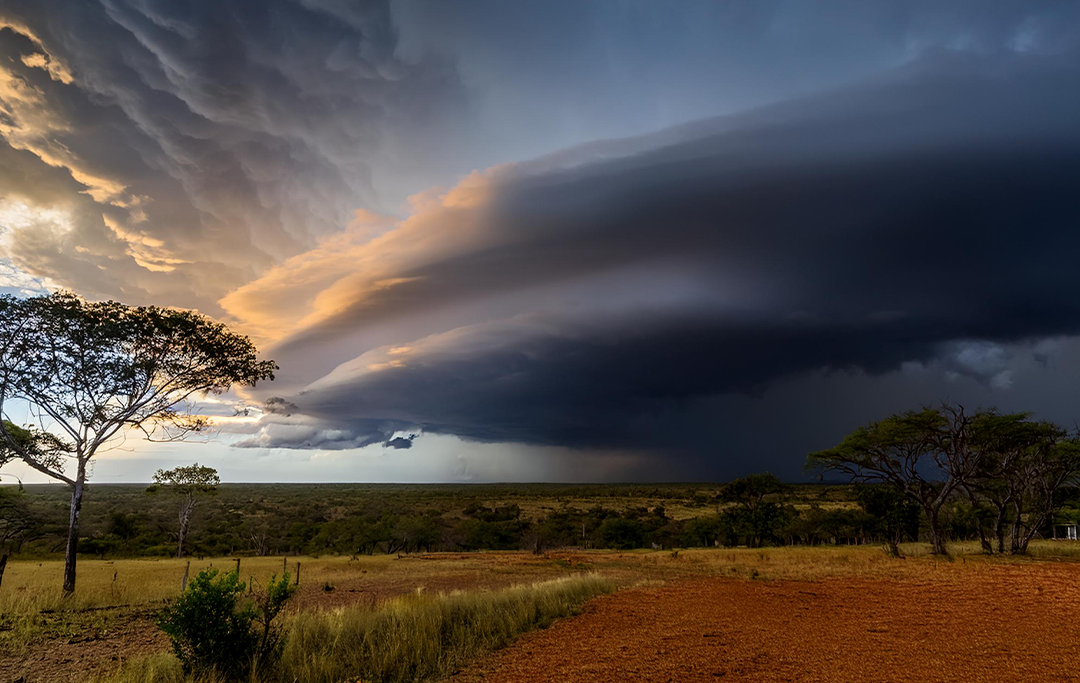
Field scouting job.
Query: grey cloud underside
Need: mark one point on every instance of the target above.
(925, 217)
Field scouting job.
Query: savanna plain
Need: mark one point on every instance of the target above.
(841, 609)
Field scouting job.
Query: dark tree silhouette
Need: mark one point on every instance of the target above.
(88, 371)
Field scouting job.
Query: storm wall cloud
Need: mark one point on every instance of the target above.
(379, 194)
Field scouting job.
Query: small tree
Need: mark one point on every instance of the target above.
(186, 482)
(90, 370)
(757, 516)
(894, 514)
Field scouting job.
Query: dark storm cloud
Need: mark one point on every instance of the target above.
(927, 217)
(252, 159)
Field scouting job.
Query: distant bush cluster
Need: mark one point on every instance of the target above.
(367, 519)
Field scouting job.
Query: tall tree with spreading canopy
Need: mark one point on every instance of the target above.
(88, 371)
(924, 454)
(187, 482)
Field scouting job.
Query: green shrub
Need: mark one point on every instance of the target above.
(215, 629)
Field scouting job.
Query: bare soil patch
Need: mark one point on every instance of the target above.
(984, 623)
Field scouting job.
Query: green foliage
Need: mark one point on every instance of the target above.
(18, 521)
(188, 480)
(1008, 467)
(757, 515)
(621, 533)
(97, 367)
(100, 546)
(94, 369)
(702, 531)
(213, 628)
(894, 515)
(360, 519)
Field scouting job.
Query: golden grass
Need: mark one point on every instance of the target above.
(32, 586)
(32, 609)
(32, 603)
(415, 637)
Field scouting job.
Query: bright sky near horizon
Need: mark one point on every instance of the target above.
(558, 241)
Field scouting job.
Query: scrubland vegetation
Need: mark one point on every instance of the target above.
(354, 612)
(413, 637)
(121, 521)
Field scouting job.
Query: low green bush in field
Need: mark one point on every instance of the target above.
(214, 628)
(417, 637)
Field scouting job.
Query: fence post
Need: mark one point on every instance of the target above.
(183, 581)
(238, 568)
(284, 565)
(297, 573)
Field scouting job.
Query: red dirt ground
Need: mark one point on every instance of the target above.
(996, 623)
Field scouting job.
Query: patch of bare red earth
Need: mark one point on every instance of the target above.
(1007, 624)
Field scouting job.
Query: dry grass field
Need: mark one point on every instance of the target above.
(798, 613)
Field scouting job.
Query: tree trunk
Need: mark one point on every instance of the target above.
(999, 530)
(185, 515)
(3, 565)
(1014, 545)
(987, 546)
(937, 537)
(73, 530)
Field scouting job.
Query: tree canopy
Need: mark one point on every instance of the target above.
(87, 371)
(1007, 463)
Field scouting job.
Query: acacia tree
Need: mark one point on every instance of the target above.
(757, 515)
(1022, 465)
(90, 371)
(187, 482)
(925, 454)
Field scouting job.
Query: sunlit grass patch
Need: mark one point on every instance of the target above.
(413, 637)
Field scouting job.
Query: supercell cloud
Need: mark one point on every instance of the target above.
(714, 297)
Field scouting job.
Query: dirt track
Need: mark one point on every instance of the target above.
(995, 623)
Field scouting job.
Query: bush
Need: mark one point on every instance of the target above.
(214, 629)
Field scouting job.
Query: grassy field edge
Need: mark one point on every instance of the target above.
(414, 637)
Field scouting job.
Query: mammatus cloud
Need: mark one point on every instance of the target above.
(165, 152)
(581, 302)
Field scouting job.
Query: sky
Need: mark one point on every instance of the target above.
(620, 240)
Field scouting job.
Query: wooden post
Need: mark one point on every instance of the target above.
(284, 565)
(183, 581)
(251, 582)
(297, 573)
(238, 568)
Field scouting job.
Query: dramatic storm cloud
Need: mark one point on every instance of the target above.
(918, 219)
(681, 243)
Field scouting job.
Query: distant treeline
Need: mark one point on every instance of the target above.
(252, 519)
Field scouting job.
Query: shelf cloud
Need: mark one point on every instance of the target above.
(611, 231)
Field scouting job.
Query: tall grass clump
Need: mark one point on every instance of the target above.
(419, 637)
